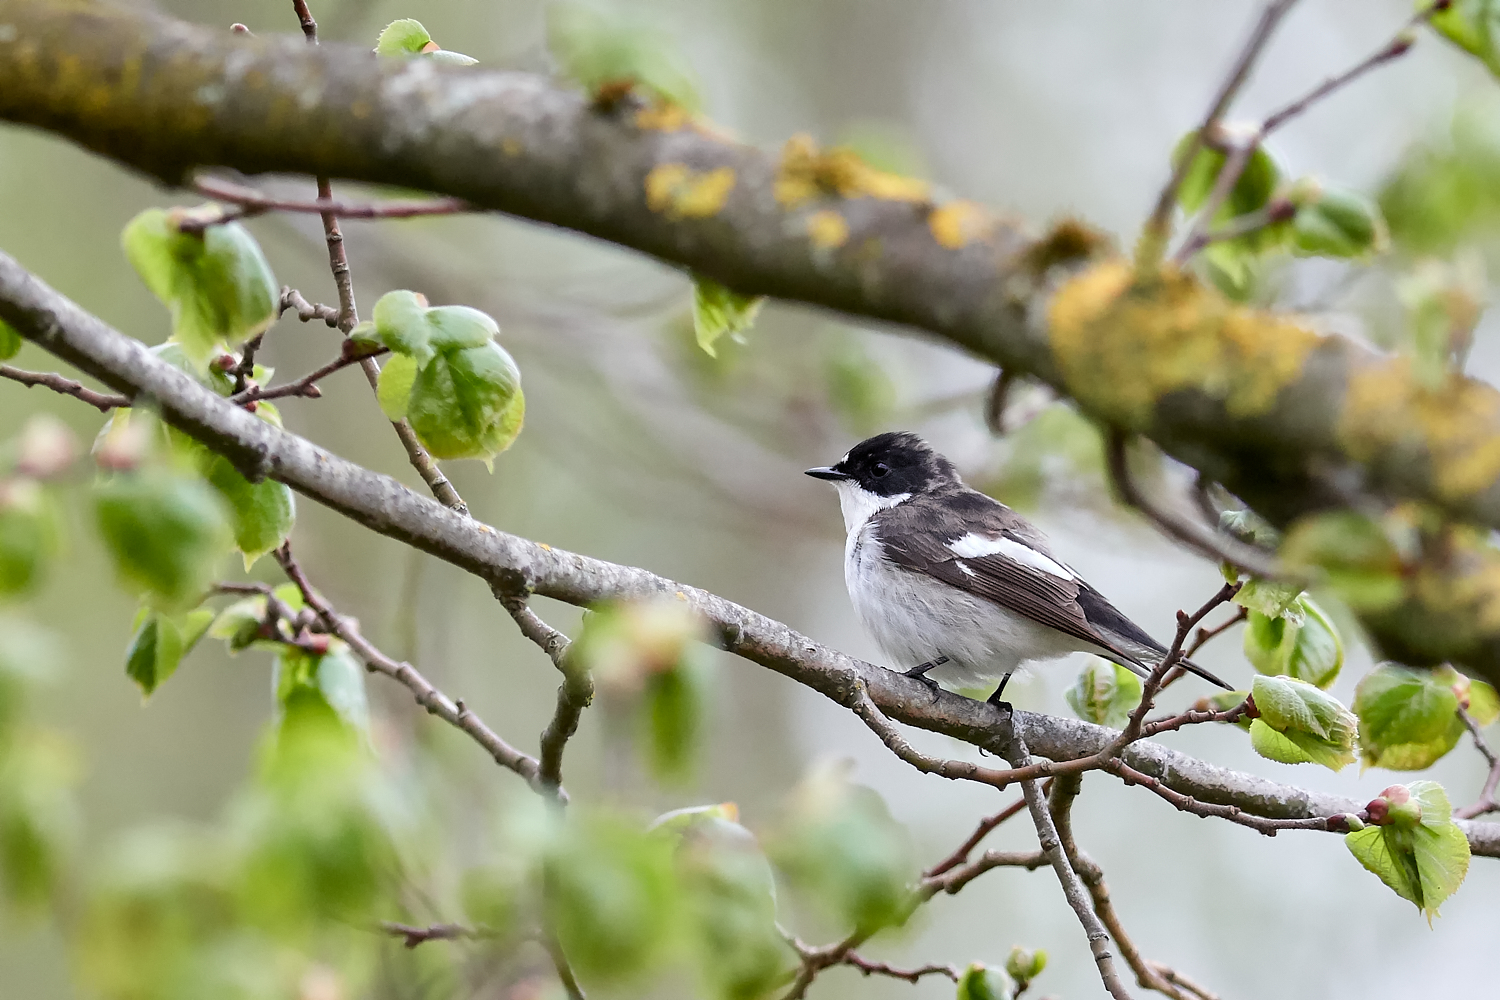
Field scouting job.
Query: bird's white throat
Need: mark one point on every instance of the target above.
(859, 504)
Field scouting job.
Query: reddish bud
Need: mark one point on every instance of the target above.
(46, 448)
(124, 446)
(315, 642)
(252, 406)
(1251, 712)
(1397, 795)
(432, 47)
(239, 29)
(1376, 810)
(226, 362)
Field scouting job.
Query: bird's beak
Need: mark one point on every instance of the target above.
(830, 474)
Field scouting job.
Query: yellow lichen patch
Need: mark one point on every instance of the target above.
(807, 172)
(1123, 344)
(827, 229)
(680, 192)
(511, 146)
(1456, 425)
(663, 116)
(959, 223)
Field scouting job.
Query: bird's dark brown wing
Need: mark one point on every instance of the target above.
(916, 537)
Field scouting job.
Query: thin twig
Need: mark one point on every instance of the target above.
(252, 202)
(1486, 802)
(881, 725)
(414, 935)
(952, 881)
(869, 968)
(1243, 146)
(307, 385)
(1200, 640)
(1276, 210)
(338, 262)
(1072, 886)
(815, 960)
(1158, 227)
(1205, 540)
(1149, 975)
(307, 311)
(574, 694)
(1193, 717)
(1188, 804)
(452, 711)
(985, 827)
(103, 402)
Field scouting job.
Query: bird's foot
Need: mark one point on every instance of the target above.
(995, 700)
(919, 672)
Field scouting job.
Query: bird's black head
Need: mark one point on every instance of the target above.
(891, 464)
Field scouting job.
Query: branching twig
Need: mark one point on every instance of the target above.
(815, 960)
(574, 694)
(869, 968)
(307, 311)
(1486, 802)
(986, 825)
(1149, 975)
(103, 402)
(1201, 639)
(1072, 886)
(881, 726)
(1154, 235)
(1188, 804)
(252, 202)
(1193, 718)
(1242, 146)
(307, 385)
(449, 710)
(952, 881)
(1205, 540)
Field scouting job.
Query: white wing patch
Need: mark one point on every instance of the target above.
(964, 568)
(974, 546)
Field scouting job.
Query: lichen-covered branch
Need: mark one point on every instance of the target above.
(1264, 405)
(515, 565)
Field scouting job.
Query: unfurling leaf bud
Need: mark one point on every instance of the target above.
(1353, 823)
(1395, 807)
(1025, 964)
(226, 362)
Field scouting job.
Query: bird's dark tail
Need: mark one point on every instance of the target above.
(1186, 664)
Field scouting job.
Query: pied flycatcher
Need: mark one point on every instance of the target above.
(956, 586)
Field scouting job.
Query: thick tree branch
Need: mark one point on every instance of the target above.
(515, 565)
(1270, 409)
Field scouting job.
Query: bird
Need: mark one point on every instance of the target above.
(956, 587)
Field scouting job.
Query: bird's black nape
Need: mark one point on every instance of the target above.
(894, 463)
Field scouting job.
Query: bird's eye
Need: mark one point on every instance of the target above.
(880, 469)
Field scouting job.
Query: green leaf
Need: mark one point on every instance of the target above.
(596, 48)
(159, 644)
(1300, 724)
(983, 982)
(27, 655)
(1472, 25)
(1408, 717)
(394, 388)
(730, 900)
(336, 678)
(1105, 693)
(1484, 702)
(1339, 223)
(1311, 651)
(674, 707)
(10, 341)
(1269, 597)
(718, 310)
(29, 534)
(611, 892)
(407, 325)
(402, 38)
(840, 846)
(468, 403)
(1251, 191)
(39, 823)
(165, 533)
(261, 514)
(217, 284)
(1424, 863)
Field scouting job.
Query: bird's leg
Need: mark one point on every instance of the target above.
(920, 673)
(994, 699)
